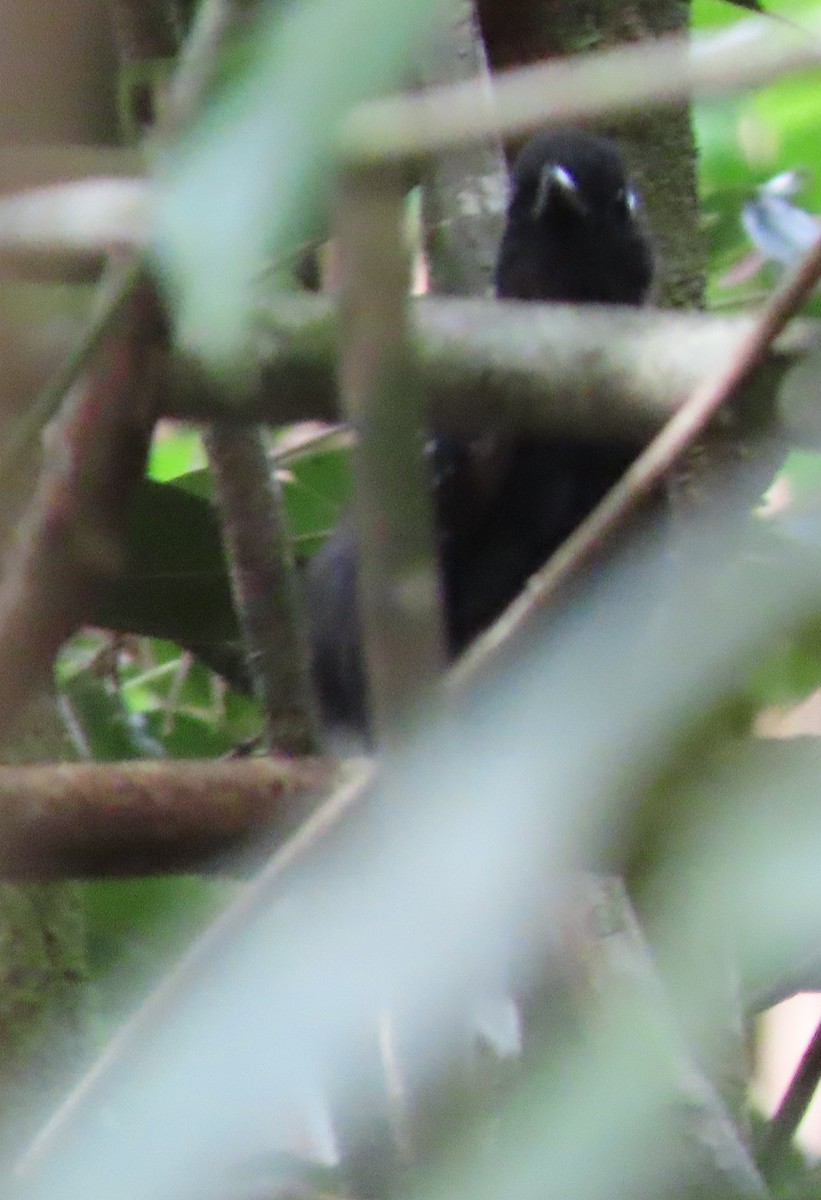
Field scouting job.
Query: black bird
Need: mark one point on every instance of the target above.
(572, 234)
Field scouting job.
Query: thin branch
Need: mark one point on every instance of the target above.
(568, 91)
(263, 574)
(84, 821)
(215, 21)
(652, 465)
(264, 585)
(113, 303)
(397, 1120)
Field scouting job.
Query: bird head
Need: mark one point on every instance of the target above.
(573, 230)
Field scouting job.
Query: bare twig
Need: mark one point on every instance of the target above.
(396, 1119)
(214, 23)
(649, 468)
(251, 502)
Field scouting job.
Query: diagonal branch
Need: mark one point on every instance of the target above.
(585, 543)
(71, 540)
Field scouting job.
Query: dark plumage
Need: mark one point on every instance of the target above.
(572, 232)
(572, 235)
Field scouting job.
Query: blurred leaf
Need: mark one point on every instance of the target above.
(243, 184)
(135, 929)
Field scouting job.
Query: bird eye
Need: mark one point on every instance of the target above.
(625, 202)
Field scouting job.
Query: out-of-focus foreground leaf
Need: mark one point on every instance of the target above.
(260, 161)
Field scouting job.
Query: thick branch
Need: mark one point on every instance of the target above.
(343, 806)
(71, 540)
(84, 820)
(464, 191)
(588, 373)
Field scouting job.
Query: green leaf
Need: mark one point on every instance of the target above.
(187, 735)
(175, 582)
(135, 929)
(111, 731)
(177, 451)
(317, 488)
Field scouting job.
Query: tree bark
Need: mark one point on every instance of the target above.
(659, 145)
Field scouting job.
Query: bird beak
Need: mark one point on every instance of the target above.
(557, 187)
